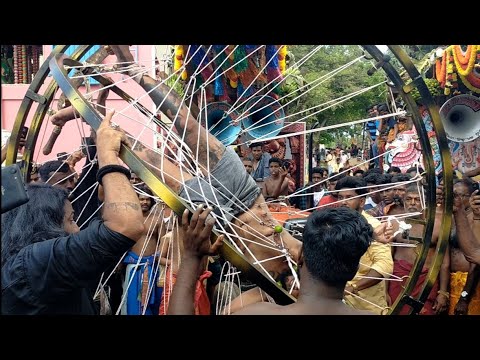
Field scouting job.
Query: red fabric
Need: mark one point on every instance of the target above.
(403, 268)
(327, 200)
(201, 300)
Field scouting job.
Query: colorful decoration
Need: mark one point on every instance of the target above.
(465, 156)
(236, 72)
(432, 137)
(405, 152)
(273, 71)
(464, 63)
(454, 63)
(472, 82)
(178, 61)
(20, 63)
(282, 62)
(441, 69)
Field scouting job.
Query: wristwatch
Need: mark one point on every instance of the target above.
(464, 294)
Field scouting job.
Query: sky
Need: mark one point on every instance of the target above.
(383, 48)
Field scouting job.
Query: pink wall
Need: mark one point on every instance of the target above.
(12, 96)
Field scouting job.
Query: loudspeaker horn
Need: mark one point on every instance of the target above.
(221, 123)
(264, 117)
(460, 116)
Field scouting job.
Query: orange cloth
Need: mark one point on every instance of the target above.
(457, 282)
(282, 213)
(201, 301)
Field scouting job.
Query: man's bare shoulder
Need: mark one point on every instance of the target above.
(261, 308)
(265, 308)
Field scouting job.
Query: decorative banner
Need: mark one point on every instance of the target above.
(433, 140)
(405, 153)
(465, 156)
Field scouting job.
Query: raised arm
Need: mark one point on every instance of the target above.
(281, 186)
(121, 209)
(469, 243)
(196, 241)
(60, 265)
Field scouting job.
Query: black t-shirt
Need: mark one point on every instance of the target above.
(54, 276)
(86, 203)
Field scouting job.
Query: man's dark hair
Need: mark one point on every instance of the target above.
(52, 166)
(373, 171)
(400, 178)
(420, 169)
(335, 176)
(358, 171)
(334, 240)
(384, 179)
(275, 160)
(353, 182)
(39, 219)
(144, 188)
(318, 170)
(394, 169)
(382, 107)
(371, 178)
(252, 145)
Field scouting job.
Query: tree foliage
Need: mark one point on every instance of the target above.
(354, 78)
(418, 52)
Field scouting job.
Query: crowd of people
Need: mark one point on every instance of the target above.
(121, 250)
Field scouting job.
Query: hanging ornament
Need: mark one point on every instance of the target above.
(282, 62)
(464, 64)
(179, 56)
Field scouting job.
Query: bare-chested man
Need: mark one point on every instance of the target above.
(398, 193)
(404, 258)
(276, 184)
(334, 240)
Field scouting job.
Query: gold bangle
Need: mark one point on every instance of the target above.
(444, 293)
